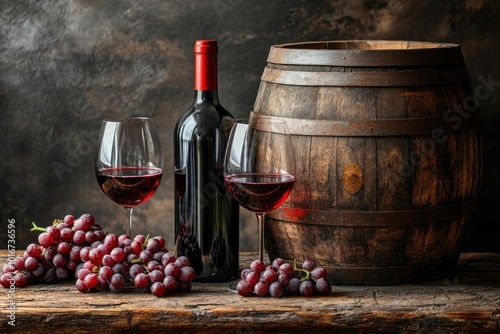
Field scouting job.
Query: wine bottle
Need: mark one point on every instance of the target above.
(206, 215)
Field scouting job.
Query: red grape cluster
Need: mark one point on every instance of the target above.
(283, 277)
(58, 254)
(98, 260)
(142, 260)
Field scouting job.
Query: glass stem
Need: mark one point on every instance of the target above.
(260, 219)
(128, 212)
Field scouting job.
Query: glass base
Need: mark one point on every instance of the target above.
(232, 286)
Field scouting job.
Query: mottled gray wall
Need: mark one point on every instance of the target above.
(66, 65)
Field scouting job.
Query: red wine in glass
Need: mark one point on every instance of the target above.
(260, 192)
(259, 166)
(129, 162)
(129, 186)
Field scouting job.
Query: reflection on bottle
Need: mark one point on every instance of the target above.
(218, 252)
(186, 244)
(180, 181)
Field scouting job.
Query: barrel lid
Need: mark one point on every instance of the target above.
(366, 53)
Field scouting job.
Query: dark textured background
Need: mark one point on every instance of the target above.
(66, 65)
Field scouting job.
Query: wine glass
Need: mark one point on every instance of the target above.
(259, 167)
(129, 162)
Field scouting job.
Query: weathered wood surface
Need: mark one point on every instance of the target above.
(466, 302)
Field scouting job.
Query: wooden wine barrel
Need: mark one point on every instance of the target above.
(388, 150)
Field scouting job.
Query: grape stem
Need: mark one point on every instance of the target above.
(145, 243)
(41, 229)
(142, 265)
(37, 228)
(301, 270)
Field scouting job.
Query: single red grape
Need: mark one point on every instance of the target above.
(156, 276)
(182, 261)
(323, 287)
(276, 290)
(141, 281)
(158, 289)
(46, 239)
(30, 263)
(309, 264)
(252, 278)
(244, 289)
(91, 280)
(258, 266)
(306, 288)
(117, 254)
(187, 274)
(117, 281)
(319, 272)
(172, 269)
(96, 256)
(269, 275)
(261, 289)
(106, 273)
(167, 258)
(170, 283)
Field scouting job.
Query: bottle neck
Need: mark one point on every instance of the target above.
(201, 96)
(205, 71)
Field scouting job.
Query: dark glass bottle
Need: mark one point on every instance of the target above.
(206, 216)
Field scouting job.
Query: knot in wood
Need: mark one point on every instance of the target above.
(352, 178)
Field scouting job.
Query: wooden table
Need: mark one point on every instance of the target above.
(466, 302)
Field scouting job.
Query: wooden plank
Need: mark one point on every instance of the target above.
(393, 189)
(323, 155)
(467, 301)
(422, 102)
(356, 152)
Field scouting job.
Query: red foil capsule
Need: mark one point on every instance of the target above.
(205, 65)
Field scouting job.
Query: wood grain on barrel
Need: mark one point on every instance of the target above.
(400, 169)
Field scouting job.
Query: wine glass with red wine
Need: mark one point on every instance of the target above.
(259, 167)
(129, 162)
